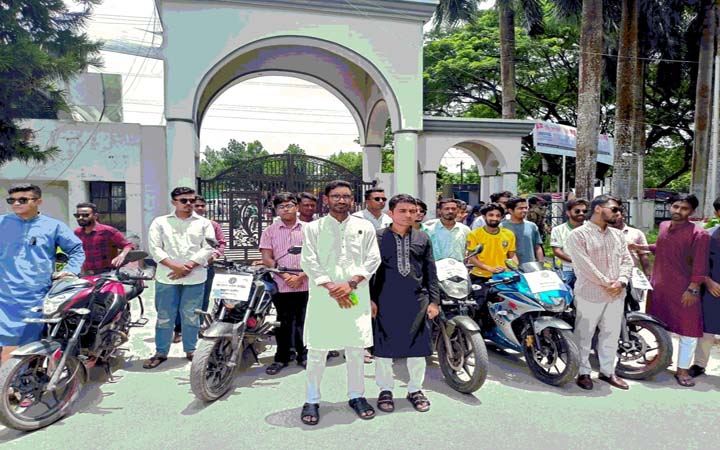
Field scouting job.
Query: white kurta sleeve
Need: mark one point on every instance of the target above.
(309, 261)
(372, 256)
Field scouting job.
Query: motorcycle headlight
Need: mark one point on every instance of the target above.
(554, 304)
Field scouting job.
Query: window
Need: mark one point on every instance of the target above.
(110, 200)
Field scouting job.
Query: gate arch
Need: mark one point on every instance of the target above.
(240, 198)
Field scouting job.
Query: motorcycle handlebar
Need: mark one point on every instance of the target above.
(507, 280)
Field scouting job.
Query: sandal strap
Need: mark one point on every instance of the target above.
(418, 397)
(361, 405)
(385, 396)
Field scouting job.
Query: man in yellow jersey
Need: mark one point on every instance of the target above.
(498, 245)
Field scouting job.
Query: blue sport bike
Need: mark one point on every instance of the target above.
(523, 312)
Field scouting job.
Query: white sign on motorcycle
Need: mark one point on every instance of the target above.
(448, 268)
(543, 281)
(231, 287)
(640, 281)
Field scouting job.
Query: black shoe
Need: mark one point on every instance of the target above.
(695, 371)
(585, 382)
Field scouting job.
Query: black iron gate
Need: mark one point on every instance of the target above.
(240, 198)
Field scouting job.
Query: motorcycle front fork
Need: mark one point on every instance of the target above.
(69, 350)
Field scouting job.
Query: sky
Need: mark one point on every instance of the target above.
(277, 111)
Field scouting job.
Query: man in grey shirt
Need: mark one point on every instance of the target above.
(527, 237)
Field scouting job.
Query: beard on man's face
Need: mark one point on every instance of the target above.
(492, 223)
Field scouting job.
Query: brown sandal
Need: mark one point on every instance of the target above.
(685, 381)
(419, 401)
(385, 402)
(155, 361)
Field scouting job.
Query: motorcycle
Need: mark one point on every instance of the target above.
(645, 346)
(237, 323)
(462, 354)
(522, 312)
(86, 321)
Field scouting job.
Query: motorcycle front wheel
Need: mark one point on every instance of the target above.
(466, 369)
(210, 374)
(25, 402)
(647, 352)
(552, 356)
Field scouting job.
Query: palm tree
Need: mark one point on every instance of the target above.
(451, 13)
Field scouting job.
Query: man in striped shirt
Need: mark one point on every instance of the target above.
(292, 297)
(603, 267)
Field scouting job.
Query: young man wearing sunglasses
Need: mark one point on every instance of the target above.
(577, 210)
(375, 200)
(178, 242)
(105, 247)
(28, 244)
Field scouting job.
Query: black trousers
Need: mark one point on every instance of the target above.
(290, 307)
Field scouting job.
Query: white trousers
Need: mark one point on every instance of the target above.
(355, 361)
(686, 348)
(702, 351)
(384, 373)
(607, 317)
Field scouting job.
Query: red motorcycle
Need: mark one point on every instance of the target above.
(86, 321)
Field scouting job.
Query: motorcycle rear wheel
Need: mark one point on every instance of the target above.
(551, 348)
(466, 371)
(210, 376)
(633, 363)
(26, 377)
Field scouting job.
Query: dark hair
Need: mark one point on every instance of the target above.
(512, 203)
(92, 206)
(600, 200)
(371, 191)
(307, 196)
(443, 201)
(492, 207)
(574, 202)
(533, 200)
(401, 198)
(461, 203)
(182, 190)
(37, 192)
(284, 197)
(690, 198)
(496, 196)
(200, 198)
(716, 204)
(421, 204)
(336, 184)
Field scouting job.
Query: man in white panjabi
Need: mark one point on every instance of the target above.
(339, 255)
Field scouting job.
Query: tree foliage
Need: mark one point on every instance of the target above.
(216, 161)
(352, 161)
(42, 43)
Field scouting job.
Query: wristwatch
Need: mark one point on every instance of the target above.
(693, 291)
(352, 284)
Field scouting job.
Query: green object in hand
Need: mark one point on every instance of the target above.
(353, 298)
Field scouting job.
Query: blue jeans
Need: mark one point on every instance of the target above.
(171, 300)
(569, 278)
(206, 297)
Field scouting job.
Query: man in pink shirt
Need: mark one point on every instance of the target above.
(292, 297)
(603, 267)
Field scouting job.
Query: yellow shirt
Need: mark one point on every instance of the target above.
(495, 248)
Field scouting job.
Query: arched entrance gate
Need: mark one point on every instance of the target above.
(240, 198)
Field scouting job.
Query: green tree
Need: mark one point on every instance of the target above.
(216, 161)
(42, 44)
(294, 149)
(352, 161)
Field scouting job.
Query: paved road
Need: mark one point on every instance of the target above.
(156, 410)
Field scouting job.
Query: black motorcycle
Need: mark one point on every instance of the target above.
(86, 321)
(235, 327)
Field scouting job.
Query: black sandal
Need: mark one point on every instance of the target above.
(385, 402)
(361, 407)
(155, 361)
(310, 414)
(275, 367)
(419, 401)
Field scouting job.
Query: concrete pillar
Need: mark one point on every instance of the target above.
(429, 191)
(510, 182)
(406, 162)
(183, 153)
(372, 162)
(497, 184)
(485, 181)
(77, 193)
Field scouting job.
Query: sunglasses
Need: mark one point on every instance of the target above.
(580, 211)
(21, 200)
(614, 209)
(77, 216)
(185, 201)
(380, 199)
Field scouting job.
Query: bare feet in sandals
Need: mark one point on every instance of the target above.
(310, 414)
(155, 361)
(419, 401)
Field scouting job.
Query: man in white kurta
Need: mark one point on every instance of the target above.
(339, 255)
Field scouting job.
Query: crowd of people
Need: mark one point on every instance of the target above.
(367, 281)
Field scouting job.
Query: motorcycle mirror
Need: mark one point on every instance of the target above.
(212, 243)
(511, 264)
(477, 250)
(295, 250)
(135, 255)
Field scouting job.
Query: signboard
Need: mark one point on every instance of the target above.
(640, 281)
(231, 287)
(555, 139)
(543, 281)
